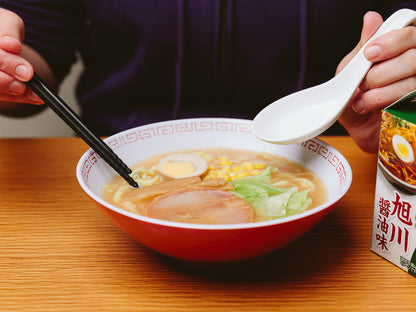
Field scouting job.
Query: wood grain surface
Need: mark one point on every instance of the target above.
(58, 252)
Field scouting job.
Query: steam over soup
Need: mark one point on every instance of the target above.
(218, 186)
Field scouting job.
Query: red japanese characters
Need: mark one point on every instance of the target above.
(394, 232)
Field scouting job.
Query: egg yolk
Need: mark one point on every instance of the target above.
(402, 150)
(178, 169)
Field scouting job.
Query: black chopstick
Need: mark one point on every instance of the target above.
(72, 120)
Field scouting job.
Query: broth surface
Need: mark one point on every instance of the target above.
(227, 164)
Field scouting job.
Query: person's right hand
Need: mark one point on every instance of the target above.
(14, 69)
(392, 75)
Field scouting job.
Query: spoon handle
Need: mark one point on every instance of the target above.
(358, 67)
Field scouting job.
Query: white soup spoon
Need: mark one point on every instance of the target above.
(305, 114)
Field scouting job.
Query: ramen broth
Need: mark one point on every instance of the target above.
(225, 168)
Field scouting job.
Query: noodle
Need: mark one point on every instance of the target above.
(212, 197)
(391, 126)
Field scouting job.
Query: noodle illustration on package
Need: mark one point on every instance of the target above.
(394, 231)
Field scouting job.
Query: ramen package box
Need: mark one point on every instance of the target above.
(394, 232)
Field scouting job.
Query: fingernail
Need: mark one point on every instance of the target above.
(358, 106)
(34, 98)
(6, 38)
(372, 52)
(22, 72)
(17, 87)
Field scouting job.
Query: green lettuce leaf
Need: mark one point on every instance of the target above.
(265, 176)
(267, 201)
(253, 189)
(272, 207)
(298, 202)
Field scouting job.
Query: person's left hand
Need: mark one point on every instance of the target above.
(392, 76)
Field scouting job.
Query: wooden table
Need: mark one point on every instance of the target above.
(58, 252)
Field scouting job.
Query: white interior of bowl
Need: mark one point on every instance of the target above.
(138, 144)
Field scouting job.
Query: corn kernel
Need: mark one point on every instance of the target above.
(226, 169)
(255, 172)
(259, 166)
(236, 169)
(211, 175)
(242, 175)
(225, 163)
(248, 166)
(220, 174)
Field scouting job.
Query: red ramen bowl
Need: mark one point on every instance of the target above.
(212, 243)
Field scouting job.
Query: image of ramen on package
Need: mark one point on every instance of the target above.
(394, 232)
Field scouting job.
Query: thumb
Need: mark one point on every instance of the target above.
(371, 22)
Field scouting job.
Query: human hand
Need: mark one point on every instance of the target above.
(14, 69)
(391, 77)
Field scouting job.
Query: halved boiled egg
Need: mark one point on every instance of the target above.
(403, 149)
(182, 165)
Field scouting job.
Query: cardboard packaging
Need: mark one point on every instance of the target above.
(394, 232)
